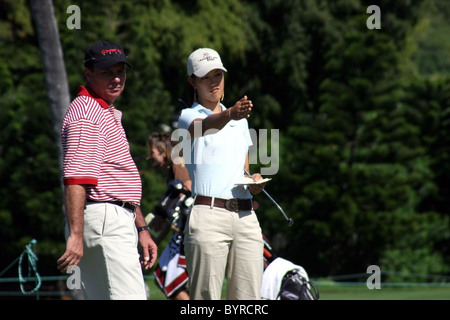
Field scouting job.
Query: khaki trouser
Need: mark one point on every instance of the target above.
(220, 243)
(110, 267)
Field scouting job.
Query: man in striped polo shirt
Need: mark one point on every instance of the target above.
(104, 222)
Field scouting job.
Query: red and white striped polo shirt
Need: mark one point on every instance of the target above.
(96, 152)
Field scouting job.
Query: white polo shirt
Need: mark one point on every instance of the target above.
(216, 161)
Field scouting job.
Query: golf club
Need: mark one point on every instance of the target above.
(289, 220)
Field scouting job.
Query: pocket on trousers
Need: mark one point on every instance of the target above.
(94, 224)
(119, 225)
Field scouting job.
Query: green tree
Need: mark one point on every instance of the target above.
(432, 56)
(358, 159)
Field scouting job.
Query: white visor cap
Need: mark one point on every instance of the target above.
(202, 61)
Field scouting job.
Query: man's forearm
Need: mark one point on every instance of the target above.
(139, 220)
(74, 200)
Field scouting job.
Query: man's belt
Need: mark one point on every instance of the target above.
(229, 204)
(122, 204)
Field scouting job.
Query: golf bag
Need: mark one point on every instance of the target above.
(171, 199)
(283, 280)
(296, 287)
(170, 272)
(172, 208)
(175, 204)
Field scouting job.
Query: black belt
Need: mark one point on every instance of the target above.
(229, 204)
(122, 204)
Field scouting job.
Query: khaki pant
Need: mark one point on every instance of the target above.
(218, 244)
(110, 267)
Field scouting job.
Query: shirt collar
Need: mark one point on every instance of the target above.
(197, 106)
(84, 91)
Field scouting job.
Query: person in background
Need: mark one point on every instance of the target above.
(223, 237)
(102, 186)
(170, 272)
(159, 147)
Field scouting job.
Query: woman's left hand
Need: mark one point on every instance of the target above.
(256, 188)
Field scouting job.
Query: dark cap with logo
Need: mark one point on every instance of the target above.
(105, 54)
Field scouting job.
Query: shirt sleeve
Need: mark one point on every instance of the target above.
(186, 118)
(84, 153)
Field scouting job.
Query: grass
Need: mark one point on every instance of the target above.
(361, 292)
(335, 291)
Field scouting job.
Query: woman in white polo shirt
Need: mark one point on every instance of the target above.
(222, 237)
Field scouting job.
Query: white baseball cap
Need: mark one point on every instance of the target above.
(202, 61)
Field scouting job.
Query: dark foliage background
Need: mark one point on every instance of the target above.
(363, 119)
